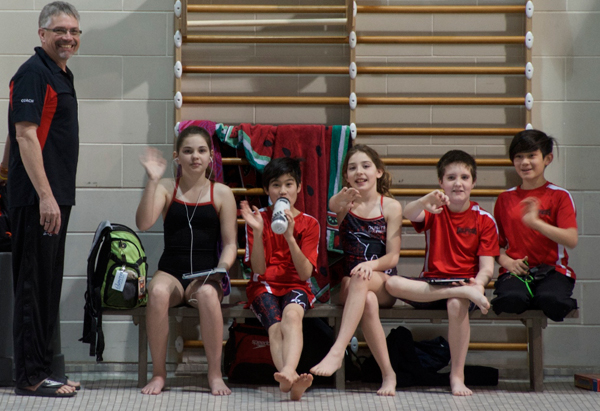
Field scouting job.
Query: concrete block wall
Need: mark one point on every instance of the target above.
(124, 82)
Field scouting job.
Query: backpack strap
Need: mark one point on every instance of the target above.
(92, 321)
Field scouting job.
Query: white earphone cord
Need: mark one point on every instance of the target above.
(190, 223)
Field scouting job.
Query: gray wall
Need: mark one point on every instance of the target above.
(125, 87)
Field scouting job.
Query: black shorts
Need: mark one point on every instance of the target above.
(268, 308)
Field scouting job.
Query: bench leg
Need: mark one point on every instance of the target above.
(340, 375)
(536, 355)
(142, 352)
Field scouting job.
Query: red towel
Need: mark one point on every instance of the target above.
(311, 143)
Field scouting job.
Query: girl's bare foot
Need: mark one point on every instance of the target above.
(300, 386)
(328, 365)
(218, 387)
(388, 386)
(155, 386)
(459, 388)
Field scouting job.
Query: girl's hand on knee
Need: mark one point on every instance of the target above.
(362, 270)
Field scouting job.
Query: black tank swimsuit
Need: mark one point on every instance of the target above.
(206, 229)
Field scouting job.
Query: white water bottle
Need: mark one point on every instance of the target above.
(279, 223)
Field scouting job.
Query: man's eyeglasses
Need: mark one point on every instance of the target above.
(61, 31)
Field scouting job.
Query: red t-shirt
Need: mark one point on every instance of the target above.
(281, 276)
(557, 208)
(455, 241)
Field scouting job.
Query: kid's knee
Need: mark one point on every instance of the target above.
(457, 307)
(291, 317)
(393, 285)
(554, 307)
(158, 294)
(371, 303)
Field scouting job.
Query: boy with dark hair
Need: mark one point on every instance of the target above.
(461, 243)
(279, 291)
(536, 222)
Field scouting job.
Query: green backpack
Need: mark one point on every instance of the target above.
(116, 279)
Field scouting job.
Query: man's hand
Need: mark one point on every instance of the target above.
(50, 215)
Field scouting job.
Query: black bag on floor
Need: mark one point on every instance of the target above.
(411, 370)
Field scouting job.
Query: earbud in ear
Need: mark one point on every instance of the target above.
(176, 160)
(211, 159)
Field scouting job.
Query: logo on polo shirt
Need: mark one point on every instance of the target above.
(466, 230)
(27, 100)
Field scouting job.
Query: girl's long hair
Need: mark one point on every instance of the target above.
(384, 182)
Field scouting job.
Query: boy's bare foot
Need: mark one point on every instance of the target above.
(218, 387)
(328, 365)
(388, 386)
(300, 386)
(459, 388)
(477, 295)
(155, 386)
(285, 379)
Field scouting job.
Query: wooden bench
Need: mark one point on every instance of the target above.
(534, 320)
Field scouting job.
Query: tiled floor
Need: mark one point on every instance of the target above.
(118, 391)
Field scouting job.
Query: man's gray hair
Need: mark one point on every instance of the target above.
(54, 9)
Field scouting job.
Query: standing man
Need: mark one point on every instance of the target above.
(44, 146)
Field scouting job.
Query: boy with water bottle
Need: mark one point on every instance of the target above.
(282, 263)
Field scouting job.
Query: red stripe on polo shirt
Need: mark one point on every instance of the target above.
(12, 85)
(48, 112)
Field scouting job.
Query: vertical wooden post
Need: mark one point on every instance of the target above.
(350, 27)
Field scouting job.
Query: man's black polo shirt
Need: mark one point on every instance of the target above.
(43, 94)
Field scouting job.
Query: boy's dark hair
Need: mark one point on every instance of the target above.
(280, 166)
(528, 141)
(456, 156)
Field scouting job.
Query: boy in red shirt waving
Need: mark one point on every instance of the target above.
(537, 223)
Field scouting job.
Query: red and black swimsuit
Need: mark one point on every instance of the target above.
(363, 239)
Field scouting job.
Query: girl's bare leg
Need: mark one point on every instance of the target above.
(354, 296)
(375, 338)
(209, 296)
(164, 291)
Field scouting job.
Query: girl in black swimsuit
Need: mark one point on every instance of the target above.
(196, 214)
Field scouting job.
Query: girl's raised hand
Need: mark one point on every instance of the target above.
(346, 198)
(253, 219)
(154, 163)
